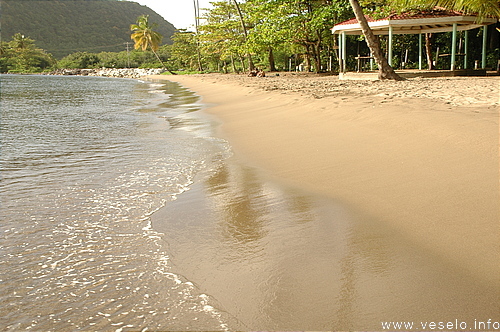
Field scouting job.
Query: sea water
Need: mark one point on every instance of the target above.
(85, 161)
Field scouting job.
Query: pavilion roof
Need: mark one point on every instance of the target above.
(414, 22)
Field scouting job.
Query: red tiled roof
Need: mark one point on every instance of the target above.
(431, 13)
(355, 20)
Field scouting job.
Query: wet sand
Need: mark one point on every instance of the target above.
(414, 165)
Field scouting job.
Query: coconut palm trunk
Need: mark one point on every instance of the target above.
(385, 71)
(163, 64)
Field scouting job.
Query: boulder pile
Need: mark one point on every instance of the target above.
(110, 72)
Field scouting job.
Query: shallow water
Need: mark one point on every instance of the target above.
(85, 161)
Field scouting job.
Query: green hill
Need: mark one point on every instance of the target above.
(62, 27)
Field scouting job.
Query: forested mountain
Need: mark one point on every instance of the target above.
(62, 27)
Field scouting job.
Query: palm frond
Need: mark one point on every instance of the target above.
(481, 8)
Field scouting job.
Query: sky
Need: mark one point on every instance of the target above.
(178, 12)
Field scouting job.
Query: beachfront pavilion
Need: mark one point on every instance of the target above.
(431, 21)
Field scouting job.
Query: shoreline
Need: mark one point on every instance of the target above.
(420, 158)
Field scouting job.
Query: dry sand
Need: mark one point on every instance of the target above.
(420, 156)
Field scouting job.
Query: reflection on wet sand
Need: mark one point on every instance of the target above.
(242, 216)
(278, 258)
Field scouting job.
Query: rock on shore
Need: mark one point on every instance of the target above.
(110, 72)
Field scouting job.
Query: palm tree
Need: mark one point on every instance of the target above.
(20, 42)
(482, 8)
(385, 71)
(145, 37)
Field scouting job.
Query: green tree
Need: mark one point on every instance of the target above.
(293, 30)
(264, 28)
(79, 60)
(244, 28)
(221, 36)
(313, 20)
(302, 26)
(21, 55)
(184, 50)
(20, 42)
(145, 37)
(274, 29)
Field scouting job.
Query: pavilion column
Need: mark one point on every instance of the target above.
(419, 51)
(453, 46)
(340, 53)
(485, 41)
(344, 52)
(466, 48)
(390, 46)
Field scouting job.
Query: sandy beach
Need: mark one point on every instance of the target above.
(389, 203)
(420, 156)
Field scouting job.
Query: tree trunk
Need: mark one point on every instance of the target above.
(428, 50)
(308, 59)
(200, 65)
(164, 67)
(243, 64)
(385, 72)
(251, 65)
(233, 64)
(243, 26)
(317, 57)
(317, 53)
(317, 60)
(196, 25)
(272, 64)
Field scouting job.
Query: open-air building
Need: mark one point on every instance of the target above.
(432, 21)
